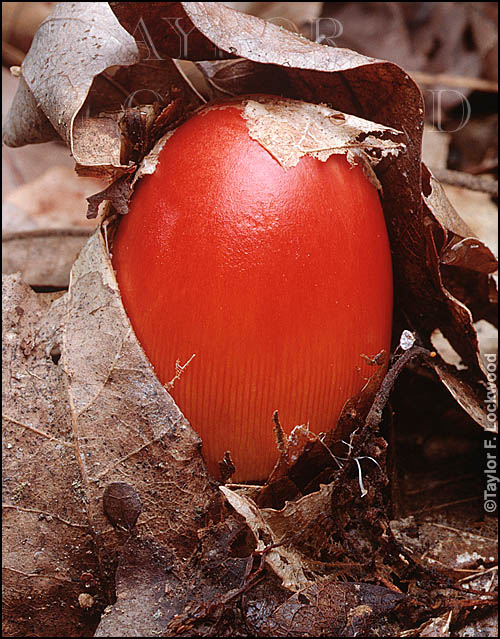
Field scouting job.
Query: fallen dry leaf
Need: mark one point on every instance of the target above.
(43, 257)
(67, 91)
(158, 594)
(328, 608)
(461, 553)
(284, 561)
(96, 415)
(56, 96)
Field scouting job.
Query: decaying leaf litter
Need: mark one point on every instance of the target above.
(105, 420)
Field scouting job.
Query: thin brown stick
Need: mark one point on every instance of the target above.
(482, 183)
(455, 81)
(445, 505)
(374, 416)
(375, 413)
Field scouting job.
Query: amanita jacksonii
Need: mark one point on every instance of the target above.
(278, 279)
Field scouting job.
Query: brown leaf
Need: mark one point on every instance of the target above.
(98, 416)
(283, 560)
(462, 275)
(468, 394)
(458, 552)
(469, 253)
(66, 82)
(43, 257)
(144, 580)
(160, 593)
(118, 193)
(85, 41)
(461, 249)
(327, 608)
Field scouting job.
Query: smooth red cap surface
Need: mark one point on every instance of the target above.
(277, 280)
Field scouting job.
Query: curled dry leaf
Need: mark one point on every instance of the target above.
(82, 71)
(85, 41)
(283, 560)
(71, 428)
(279, 532)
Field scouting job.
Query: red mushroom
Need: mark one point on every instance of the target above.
(277, 279)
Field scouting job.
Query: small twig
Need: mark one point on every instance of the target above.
(438, 484)
(482, 183)
(464, 533)
(446, 505)
(375, 414)
(456, 81)
(359, 439)
(479, 573)
(472, 603)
